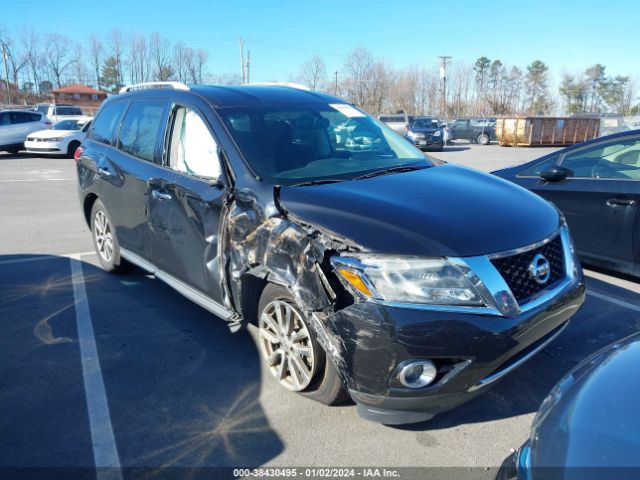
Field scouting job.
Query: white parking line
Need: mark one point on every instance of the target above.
(105, 453)
(607, 298)
(44, 257)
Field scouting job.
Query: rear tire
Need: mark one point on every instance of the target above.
(105, 241)
(278, 345)
(483, 139)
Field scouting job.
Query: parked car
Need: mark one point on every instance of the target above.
(589, 425)
(397, 121)
(366, 269)
(16, 125)
(64, 138)
(596, 184)
(426, 133)
(475, 130)
(58, 112)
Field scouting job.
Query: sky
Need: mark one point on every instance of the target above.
(568, 35)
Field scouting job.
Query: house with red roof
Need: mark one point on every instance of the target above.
(78, 94)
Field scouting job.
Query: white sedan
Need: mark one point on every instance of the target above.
(62, 139)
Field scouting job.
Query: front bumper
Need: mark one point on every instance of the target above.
(427, 142)
(44, 147)
(471, 348)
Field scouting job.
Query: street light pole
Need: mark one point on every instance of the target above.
(444, 60)
(6, 72)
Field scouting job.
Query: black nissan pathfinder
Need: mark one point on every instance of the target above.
(368, 271)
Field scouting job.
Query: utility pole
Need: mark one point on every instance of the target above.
(335, 87)
(6, 73)
(242, 70)
(248, 65)
(444, 60)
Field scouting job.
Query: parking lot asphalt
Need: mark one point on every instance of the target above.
(180, 390)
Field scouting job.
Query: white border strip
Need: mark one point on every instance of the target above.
(607, 298)
(105, 453)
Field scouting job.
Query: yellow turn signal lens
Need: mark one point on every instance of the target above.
(356, 281)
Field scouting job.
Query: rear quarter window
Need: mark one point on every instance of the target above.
(104, 126)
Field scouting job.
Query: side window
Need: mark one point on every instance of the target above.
(538, 168)
(105, 124)
(20, 117)
(35, 117)
(140, 127)
(4, 119)
(619, 159)
(192, 149)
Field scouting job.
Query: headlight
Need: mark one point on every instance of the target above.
(410, 134)
(436, 133)
(56, 139)
(417, 280)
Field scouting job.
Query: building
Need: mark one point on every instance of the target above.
(80, 95)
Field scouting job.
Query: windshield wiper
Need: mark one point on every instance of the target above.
(396, 169)
(321, 181)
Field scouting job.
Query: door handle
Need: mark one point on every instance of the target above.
(105, 172)
(158, 195)
(620, 202)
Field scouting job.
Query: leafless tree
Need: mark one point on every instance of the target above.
(95, 51)
(160, 49)
(116, 50)
(313, 73)
(31, 47)
(16, 60)
(357, 66)
(59, 55)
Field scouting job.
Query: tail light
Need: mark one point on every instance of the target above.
(78, 153)
(48, 124)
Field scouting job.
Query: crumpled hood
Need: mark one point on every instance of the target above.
(439, 211)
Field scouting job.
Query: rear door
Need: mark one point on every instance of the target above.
(185, 206)
(21, 126)
(125, 170)
(600, 200)
(460, 129)
(6, 129)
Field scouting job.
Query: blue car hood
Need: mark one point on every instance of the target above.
(439, 211)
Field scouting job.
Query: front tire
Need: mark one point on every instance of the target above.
(71, 149)
(290, 351)
(105, 241)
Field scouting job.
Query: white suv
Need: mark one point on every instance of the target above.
(16, 125)
(58, 112)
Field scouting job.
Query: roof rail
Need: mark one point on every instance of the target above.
(281, 84)
(143, 86)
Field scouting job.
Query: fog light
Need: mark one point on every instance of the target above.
(418, 374)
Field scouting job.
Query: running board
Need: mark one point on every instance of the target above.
(191, 293)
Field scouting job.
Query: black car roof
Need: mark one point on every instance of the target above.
(248, 95)
(569, 148)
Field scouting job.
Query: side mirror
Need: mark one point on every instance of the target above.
(555, 173)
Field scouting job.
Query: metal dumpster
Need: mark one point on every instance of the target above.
(545, 131)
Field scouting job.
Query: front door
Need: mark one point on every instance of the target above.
(600, 199)
(185, 210)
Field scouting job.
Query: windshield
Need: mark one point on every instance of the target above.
(305, 143)
(69, 125)
(426, 123)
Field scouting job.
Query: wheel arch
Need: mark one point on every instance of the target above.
(87, 205)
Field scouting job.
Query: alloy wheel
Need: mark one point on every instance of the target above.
(286, 345)
(103, 236)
